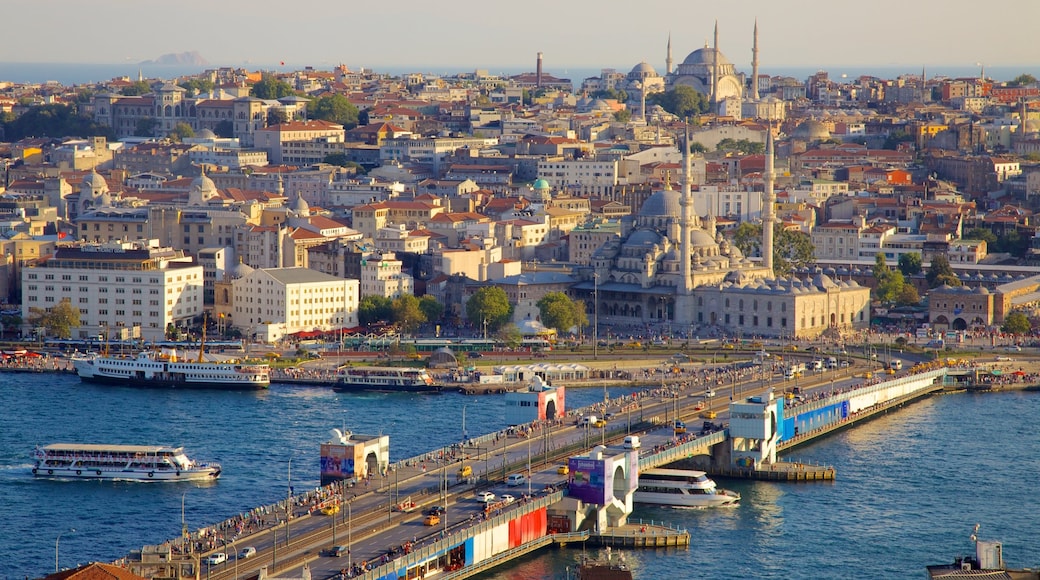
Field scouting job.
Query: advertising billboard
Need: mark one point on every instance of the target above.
(337, 462)
(587, 480)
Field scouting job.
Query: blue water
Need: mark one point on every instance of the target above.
(911, 485)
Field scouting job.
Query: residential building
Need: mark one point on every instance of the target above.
(274, 302)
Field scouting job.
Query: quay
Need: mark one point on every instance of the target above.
(587, 504)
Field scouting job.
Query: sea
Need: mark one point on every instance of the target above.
(910, 487)
(79, 73)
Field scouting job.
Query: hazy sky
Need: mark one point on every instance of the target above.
(456, 35)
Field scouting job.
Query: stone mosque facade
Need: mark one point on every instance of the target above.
(708, 72)
(671, 269)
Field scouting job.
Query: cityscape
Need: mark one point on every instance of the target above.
(697, 208)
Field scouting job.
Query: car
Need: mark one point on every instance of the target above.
(609, 416)
(217, 558)
(1013, 348)
(432, 520)
(507, 498)
(728, 346)
(708, 415)
(434, 510)
(247, 552)
(335, 551)
(475, 354)
(600, 424)
(486, 496)
(844, 364)
(563, 469)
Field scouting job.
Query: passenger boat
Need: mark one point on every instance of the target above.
(608, 569)
(122, 462)
(987, 562)
(165, 369)
(392, 379)
(681, 488)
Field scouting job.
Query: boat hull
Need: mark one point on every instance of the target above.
(168, 384)
(723, 497)
(347, 387)
(202, 474)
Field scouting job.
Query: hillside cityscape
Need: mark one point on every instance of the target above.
(702, 198)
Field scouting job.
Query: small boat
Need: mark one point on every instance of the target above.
(607, 569)
(388, 379)
(681, 488)
(988, 562)
(122, 462)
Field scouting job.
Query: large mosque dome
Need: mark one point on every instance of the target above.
(662, 203)
(706, 56)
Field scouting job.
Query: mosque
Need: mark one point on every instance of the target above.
(672, 269)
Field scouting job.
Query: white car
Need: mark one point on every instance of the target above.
(218, 558)
(486, 497)
(247, 552)
(508, 498)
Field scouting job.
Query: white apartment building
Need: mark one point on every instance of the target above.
(118, 284)
(733, 201)
(580, 177)
(429, 151)
(274, 302)
(381, 275)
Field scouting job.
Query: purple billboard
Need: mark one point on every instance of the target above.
(588, 480)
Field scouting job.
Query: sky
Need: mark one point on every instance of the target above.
(463, 35)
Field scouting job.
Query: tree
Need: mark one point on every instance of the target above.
(52, 120)
(896, 137)
(893, 287)
(792, 250)
(984, 234)
(623, 116)
(682, 101)
(558, 311)
(881, 271)
(432, 309)
(373, 309)
(182, 131)
(335, 109)
(910, 263)
(489, 304)
(940, 272)
(146, 127)
(59, 320)
(136, 89)
(748, 238)
(225, 128)
(908, 296)
(196, 86)
(741, 146)
(407, 314)
(1022, 80)
(269, 87)
(510, 335)
(276, 116)
(698, 147)
(1016, 323)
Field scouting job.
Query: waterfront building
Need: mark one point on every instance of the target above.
(539, 402)
(135, 284)
(271, 303)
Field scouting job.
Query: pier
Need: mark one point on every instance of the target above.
(550, 508)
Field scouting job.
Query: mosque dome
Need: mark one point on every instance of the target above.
(663, 203)
(300, 207)
(643, 238)
(93, 180)
(706, 56)
(541, 184)
(812, 130)
(241, 270)
(206, 134)
(701, 239)
(202, 189)
(642, 71)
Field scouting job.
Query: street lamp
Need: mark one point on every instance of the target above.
(288, 502)
(595, 315)
(350, 523)
(56, 540)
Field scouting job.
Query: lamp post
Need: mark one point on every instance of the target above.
(595, 315)
(350, 523)
(56, 540)
(288, 502)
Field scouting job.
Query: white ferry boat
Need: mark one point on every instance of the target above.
(681, 488)
(123, 462)
(392, 379)
(165, 369)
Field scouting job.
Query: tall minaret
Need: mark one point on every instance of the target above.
(686, 201)
(715, 72)
(768, 203)
(754, 65)
(668, 59)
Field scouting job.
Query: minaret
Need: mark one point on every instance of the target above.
(754, 65)
(715, 72)
(668, 59)
(768, 203)
(686, 201)
(538, 71)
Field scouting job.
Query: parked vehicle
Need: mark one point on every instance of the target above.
(247, 552)
(516, 479)
(217, 558)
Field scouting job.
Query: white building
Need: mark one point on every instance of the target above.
(580, 177)
(274, 302)
(381, 275)
(118, 284)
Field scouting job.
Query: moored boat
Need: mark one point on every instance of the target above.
(390, 379)
(122, 462)
(681, 488)
(165, 370)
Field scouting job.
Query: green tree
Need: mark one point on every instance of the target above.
(741, 146)
(682, 101)
(698, 147)
(182, 131)
(623, 116)
(984, 234)
(407, 314)
(335, 109)
(908, 296)
(558, 311)
(896, 137)
(432, 309)
(940, 272)
(490, 304)
(225, 128)
(881, 270)
(892, 287)
(196, 86)
(910, 263)
(269, 87)
(748, 238)
(136, 89)
(1022, 80)
(59, 320)
(510, 335)
(373, 309)
(52, 120)
(146, 127)
(1013, 243)
(276, 116)
(793, 250)
(1017, 323)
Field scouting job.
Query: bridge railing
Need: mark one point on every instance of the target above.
(829, 400)
(683, 450)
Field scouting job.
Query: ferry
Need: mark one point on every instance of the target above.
(122, 462)
(681, 488)
(165, 369)
(392, 379)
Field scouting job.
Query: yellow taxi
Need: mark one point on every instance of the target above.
(431, 520)
(563, 469)
(601, 423)
(465, 471)
(708, 415)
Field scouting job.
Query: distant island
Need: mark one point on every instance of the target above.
(181, 58)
